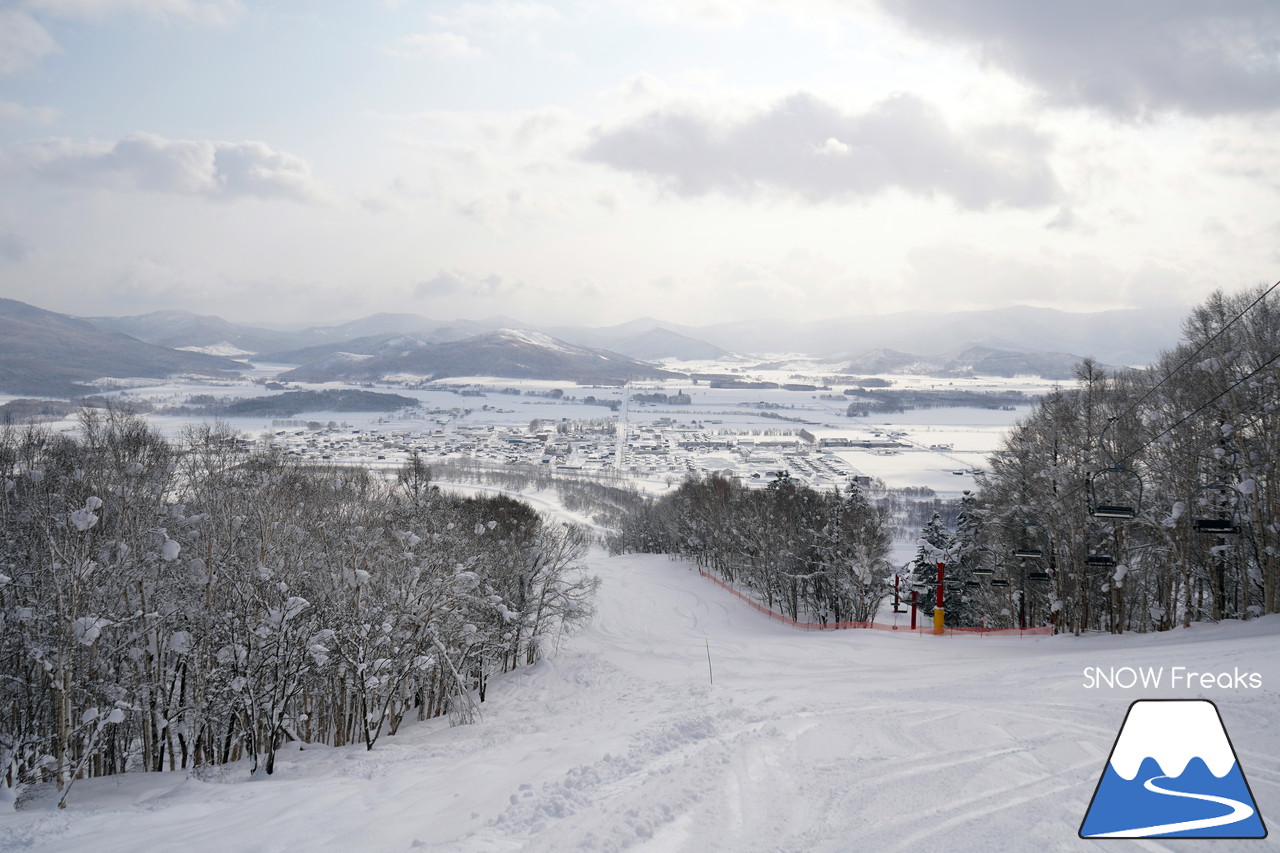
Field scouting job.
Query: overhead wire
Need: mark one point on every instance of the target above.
(1146, 444)
(1199, 350)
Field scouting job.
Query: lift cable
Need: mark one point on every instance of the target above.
(1199, 350)
(1076, 489)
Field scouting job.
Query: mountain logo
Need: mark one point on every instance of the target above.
(1173, 773)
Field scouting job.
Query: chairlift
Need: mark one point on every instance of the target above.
(1112, 488)
(1108, 490)
(983, 571)
(1037, 576)
(999, 581)
(972, 583)
(1028, 553)
(1223, 524)
(1100, 560)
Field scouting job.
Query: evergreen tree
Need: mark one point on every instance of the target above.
(935, 545)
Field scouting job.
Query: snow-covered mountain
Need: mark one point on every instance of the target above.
(657, 344)
(47, 353)
(509, 353)
(185, 330)
(1119, 337)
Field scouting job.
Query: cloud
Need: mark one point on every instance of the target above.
(434, 46)
(1067, 220)
(216, 12)
(1070, 282)
(806, 147)
(503, 13)
(14, 248)
(15, 113)
(458, 283)
(712, 14)
(186, 167)
(23, 41)
(1128, 58)
(532, 125)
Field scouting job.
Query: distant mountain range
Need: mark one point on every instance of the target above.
(42, 352)
(53, 355)
(975, 360)
(508, 353)
(1120, 337)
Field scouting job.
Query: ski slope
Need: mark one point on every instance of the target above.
(804, 742)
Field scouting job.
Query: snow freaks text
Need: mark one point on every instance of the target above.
(1173, 677)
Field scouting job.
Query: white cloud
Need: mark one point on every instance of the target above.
(495, 14)
(434, 46)
(833, 147)
(23, 41)
(900, 143)
(15, 113)
(215, 12)
(713, 14)
(186, 167)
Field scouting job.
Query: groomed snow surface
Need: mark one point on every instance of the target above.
(804, 742)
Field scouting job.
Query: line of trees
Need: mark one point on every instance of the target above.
(184, 604)
(1190, 445)
(813, 555)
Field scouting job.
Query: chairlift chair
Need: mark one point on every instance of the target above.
(1221, 524)
(1100, 560)
(999, 581)
(1028, 553)
(1105, 493)
(1037, 576)
(983, 571)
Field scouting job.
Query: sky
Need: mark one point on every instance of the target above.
(593, 161)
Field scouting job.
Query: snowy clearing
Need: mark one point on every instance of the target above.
(805, 741)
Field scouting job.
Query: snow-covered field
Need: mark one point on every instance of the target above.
(863, 740)
(736, 414)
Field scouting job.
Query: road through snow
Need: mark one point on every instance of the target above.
(807, 741)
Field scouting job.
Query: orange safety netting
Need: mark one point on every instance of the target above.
(1043, 631)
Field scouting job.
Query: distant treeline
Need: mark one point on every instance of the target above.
(882, 402)
(823, 555)
(294, 403)
(32, 410)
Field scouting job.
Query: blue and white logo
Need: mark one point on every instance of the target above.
(1172, 774)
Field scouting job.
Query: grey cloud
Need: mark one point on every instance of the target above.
(1067, 220)
(186, 167)
(808, 147)
(455, 283)
(1129, 58)
(13, 248)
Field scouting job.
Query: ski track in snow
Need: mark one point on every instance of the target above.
(806, 741)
